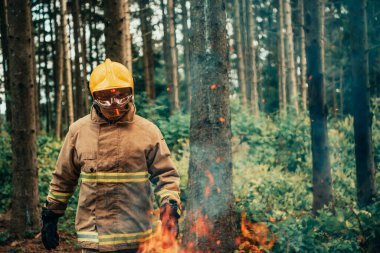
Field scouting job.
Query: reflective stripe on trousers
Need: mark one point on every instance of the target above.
(118, 251)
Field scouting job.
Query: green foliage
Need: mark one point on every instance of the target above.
(5, 170)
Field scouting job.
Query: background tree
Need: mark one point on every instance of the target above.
(365, 164)
(210, 132)
(322, 182)
(25, 213)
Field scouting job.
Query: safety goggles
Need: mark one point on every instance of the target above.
(113, 98)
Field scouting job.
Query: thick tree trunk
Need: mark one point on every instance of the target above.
(240, 56)
(322, 182)
(174, 60)
(114, 16)
(67, 62)
(293, 94)
(5, 54)
(252, 58)
(365, 164)
(79, 112)
(128, 38)
(25, 214)
(282, 72)
(186, 54)
(211, 200)
(303, 54)
(146, 31)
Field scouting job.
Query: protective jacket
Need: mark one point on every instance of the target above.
(115, 164)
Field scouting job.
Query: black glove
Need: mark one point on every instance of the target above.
(50, 237)
(169, 215)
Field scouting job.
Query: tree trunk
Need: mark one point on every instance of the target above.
(114, 16)
(186, 55)
(240, 57)
(174, 61)
(341, 91)
(84, 63)
(146, 31)
(282, 72)
(58, 62)
(303, 55)
(166, 49)
(25, 200)
(5, 54)
(365, 164)
(211, 200)
(293, 94)
(252, 58)
(79, 112)
(47, 78)
(128, 38)
(67, 61)
(322, 183)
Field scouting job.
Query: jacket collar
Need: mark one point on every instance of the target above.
(129, 117)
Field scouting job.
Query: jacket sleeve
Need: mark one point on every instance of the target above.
(65, 176)
(163, 172)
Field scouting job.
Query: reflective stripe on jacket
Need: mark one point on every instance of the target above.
(116, 164)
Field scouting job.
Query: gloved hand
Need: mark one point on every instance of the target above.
(169, 215)
(50, 237)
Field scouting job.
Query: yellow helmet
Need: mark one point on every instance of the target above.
(110, 75)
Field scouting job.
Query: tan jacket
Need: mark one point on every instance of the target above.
(116, 164)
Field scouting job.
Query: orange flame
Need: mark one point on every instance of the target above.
(213, 86)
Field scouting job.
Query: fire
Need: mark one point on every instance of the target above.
(222, 120)
(213, 86)
(255, 237)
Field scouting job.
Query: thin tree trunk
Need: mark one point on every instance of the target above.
(333, 94)
(5, 54)
(322, 182)
(146, 31)
(365, 163)
(79, 112)
(240, 57)
(293, 94)
(303, 55)
(186, 55)
(282, 74)
(252, 58)
(114, 15)
(128, 38)
(84, 63)
(25, 213)
(341, 93)
(47, 79)
(166, 49)
(67, 61)
(59, 62)
(174, 60)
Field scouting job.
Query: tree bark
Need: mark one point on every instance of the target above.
(84, 63)
(186, 54)
(128, 38)
(47, 78)
(282, 72)
(58, 63)
(67, 62)
(240, 56)
(293, 94)
(174, 60)
(114, 16)
(146, 31)
(365, 164)
(79, 112)
(303, 54)
(252, 58)
(322, 182)
(211, 200)
(25, 214)
(5, 54)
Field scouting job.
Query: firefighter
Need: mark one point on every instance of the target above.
(116, 155)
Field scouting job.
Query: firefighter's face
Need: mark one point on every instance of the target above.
(113, 103)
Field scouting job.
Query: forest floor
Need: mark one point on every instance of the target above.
(34, 244)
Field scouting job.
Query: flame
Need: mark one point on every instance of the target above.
(254, 237)
(222, 119)
(213, 86)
